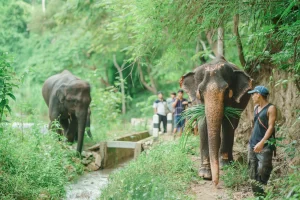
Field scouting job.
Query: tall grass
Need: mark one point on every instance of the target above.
(163, 172)
(35, 166)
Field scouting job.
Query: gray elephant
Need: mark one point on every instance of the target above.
(217, 84)
(68, 99)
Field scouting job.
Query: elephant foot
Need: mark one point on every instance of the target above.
(205, 173)
(224, 162)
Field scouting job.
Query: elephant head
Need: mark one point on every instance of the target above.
(216, 84)
(74, 98)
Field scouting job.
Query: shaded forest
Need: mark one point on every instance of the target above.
(130, 50)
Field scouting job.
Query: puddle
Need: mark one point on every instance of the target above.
(89, 185)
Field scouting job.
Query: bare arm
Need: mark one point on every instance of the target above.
(155, 110)
(272, 118)
(185, 102)
(174, 103)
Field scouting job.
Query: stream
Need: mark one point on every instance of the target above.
(89, 185)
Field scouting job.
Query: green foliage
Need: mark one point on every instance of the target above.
(35, 166)
(146, 107)
(284, 181)
(106, 112)
(196, 113)
(163, 172)
(7, 83)
(235, 175)
(286, 186)
(192, 145)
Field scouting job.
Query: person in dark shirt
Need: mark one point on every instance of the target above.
(179, 105)
(260, 151)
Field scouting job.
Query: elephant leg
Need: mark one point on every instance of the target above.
(227, 139)
(204, 170)
(65, 125)
(73, 129)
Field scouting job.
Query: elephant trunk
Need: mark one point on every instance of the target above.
(81, 117)
(214, 110)
(88, 124)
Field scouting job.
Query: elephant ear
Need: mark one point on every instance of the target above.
(188, 84)
(61, 93)
(242, 84)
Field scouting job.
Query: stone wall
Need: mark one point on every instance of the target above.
(286, 97)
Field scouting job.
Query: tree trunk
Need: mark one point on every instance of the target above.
(221, 41)
(238, 39)
(44, 5)
(120, 69)
(212, 44)
(145, 84)
(221, 52)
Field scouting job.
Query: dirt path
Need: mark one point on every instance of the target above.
(205, 190)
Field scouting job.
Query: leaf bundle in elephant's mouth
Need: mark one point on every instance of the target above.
(196, 113)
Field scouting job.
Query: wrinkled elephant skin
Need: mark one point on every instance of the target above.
(68, 99)
(217, 84)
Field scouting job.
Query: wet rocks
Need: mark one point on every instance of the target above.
(91, 160)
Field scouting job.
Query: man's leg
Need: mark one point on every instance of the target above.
(164, 120)
(264, 165)
(175, 124)
(252, 167)
(159, 122)
(181, 123)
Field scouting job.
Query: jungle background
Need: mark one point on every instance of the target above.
(129, 50)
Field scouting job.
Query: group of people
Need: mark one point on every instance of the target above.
(260, 151)
(176, 104)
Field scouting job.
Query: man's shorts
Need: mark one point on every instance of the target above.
(178, 121)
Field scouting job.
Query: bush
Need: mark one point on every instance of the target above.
(7, 83)
(35, 165)
(235, 175)
(163, 172)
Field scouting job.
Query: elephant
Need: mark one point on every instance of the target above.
(216, 84)
(68, 99)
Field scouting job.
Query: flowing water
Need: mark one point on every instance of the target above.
(89, 186)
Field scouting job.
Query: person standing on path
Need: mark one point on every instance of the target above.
(260, 152)
(170, 101)
(179, 106)
(160, 108)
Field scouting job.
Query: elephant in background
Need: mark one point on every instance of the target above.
(68, 99)
(217, 84)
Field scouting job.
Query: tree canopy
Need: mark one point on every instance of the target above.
(158, 40)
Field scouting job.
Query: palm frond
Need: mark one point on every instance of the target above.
(196, 113)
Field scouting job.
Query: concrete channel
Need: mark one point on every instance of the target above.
(110, 153)
(108, 156)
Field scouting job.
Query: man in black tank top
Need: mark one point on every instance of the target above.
(259, 151)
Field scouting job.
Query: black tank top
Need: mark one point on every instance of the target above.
(261, 124)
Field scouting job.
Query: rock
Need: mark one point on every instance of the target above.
(86, 154)
(92, 167)
(97, 159)
(86, 161)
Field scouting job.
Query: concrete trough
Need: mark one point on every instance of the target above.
(122, 148)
